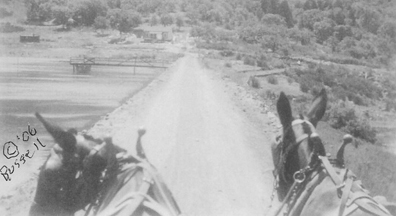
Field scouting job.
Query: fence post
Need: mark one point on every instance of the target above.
(134, 68)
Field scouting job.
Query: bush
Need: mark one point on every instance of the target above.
(390, 104)
(343, 117)
(238, 56)
(9, 28)
(263, 65)
(362, 129)
(228, 64)
(226, 53)
(315, 90)
(254, 82)
(270, 95)
(285, 52)
(272, 79)
(214, 45)
(304, 87)
(262, 62)
(344, 94)
(5, 13)
(249, 61)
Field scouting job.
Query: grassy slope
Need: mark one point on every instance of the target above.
(372, 164)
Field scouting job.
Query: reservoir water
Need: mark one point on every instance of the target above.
(49, 86)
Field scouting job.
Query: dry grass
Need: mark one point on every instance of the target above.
(371, 163)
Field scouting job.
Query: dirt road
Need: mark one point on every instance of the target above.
(213, 157)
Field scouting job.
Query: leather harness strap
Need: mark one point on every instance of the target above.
(162, 193)
(329, 168)
(125, 205)
(345, 195)
(354, 196)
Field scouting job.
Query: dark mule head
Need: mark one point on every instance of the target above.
(58, 191)
(300, 145)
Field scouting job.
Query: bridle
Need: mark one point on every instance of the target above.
(314, 170)
(300, 175)
(306, 135)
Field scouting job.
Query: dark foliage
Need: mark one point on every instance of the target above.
(9, 28)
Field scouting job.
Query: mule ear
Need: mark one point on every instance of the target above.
(284, 110)
(66, 140)
(318, 107)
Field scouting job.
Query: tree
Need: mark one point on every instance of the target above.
(310, 4)
(388, 30)
(166, 20)
(285, 11)
(342, 31)
(308, 18)
(270, 6)
(62, 15)
(154, 20)
(368, 18)
(179, 21)
(332, 42)
(193, 16)
(271, 42)
(216, 15)
(303, 36)
(123, 20)
(39, 10)
(101, 23)
(323, 30)
(114, 3)
(338, 16)
(337, 3)
(273, 19)
(86, 11)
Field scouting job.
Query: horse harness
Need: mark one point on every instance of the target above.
(128, 165)
(348, 187)
(299, 176)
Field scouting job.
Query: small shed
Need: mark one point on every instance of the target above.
(29, 38)
(154, 33)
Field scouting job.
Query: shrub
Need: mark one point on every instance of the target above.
(343, 117)
(362, 86)
(270, 95)
(227, 64)
(213, 45)
(290, 80)
(272, 79)
(263, 65)
(362, 129)
(315, 90)
(285, 52)
(390, 104)
(5, 13)
(262, 62)
(9, 28)
(344, 94)
(238, 56)
(226, 53)
(254, 82)
(340, 115)
(249, 61)
(304, 87)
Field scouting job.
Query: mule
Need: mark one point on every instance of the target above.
(87, 176)
(307, 183)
